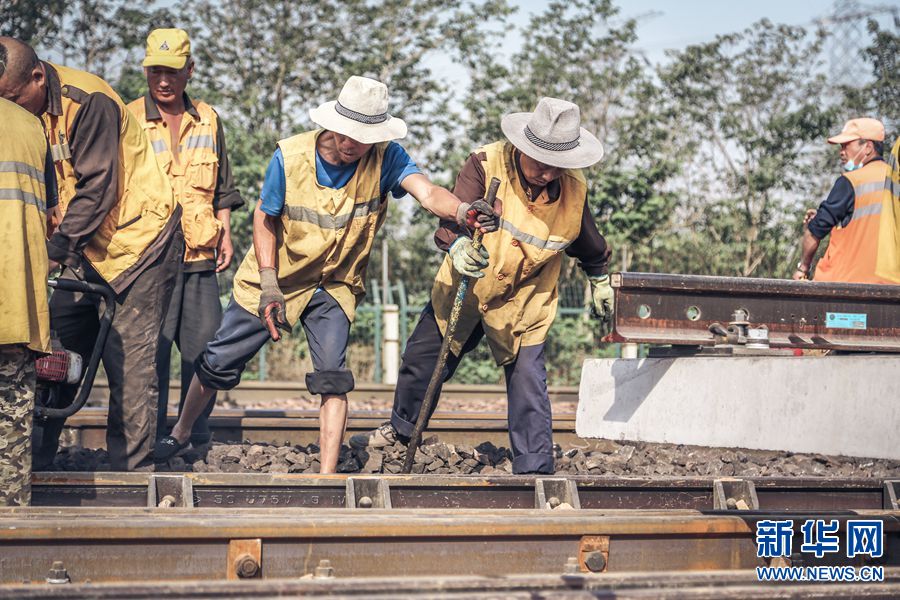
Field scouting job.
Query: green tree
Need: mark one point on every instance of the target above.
(30, 21)
(751, 104)
(879, 97)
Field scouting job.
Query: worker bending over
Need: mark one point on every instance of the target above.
(27, 206)
(120, 228)
(513, 302)
(323, 200)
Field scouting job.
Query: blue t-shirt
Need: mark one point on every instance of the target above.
(395, 167)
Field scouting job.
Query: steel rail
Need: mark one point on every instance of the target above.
(114, 544)
(687, 309)
(660, 585)
(203, 491)
(301, 427)
(261, 391)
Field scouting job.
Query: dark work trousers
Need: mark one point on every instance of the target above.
(242, 334)
(129, 358)
(528, 404)
(191, 322)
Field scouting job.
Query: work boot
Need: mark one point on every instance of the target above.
(382, 437)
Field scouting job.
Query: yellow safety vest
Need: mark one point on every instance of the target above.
(325, 235)
(887, 265)
(852, 250)
(193, 176)
(24, 314)
(516, 300)
(146, 202)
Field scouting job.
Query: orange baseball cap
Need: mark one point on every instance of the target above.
(167, 48)
(863, 128)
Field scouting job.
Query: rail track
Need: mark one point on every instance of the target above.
(88, 426)
(451, 531)
(133, 535)
(706, 585)
(261, 391)
(464, 492)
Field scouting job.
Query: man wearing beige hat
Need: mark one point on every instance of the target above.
(513, 302)
(324, 198)
(852, 211)
(189, 143)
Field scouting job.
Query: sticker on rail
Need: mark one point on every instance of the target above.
(845, 320)
(821, 538)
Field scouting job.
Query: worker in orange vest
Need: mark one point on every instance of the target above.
(852, 211)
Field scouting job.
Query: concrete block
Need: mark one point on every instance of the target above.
(837, 405)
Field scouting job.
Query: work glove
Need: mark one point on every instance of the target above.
(271, 304)
(602, 303)
(466, 259)
(478, 212)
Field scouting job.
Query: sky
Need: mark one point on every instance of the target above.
(675, 25)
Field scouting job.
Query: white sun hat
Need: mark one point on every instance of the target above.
(553, 135)
(360, 112)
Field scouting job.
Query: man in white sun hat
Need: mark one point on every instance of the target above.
(323, 200)
(514, 303)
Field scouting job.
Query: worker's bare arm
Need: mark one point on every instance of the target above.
(808, 246)
(264, 237)
(433, 198)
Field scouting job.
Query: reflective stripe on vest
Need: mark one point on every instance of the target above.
(326, 234)
(325, 221)
(17, 193)
(533, 240)
(515, 302)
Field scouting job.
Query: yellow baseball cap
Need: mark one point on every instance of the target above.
(167, 48)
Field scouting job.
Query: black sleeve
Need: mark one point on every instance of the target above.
(227, 195)
(836, 209)
(94, 143)
(590, 247)
(50, 179)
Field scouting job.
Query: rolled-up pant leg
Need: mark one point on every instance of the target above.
(17, 383)
(130, 360)
(529, 415)
(328, 332)
(201, 314)
(419, 363)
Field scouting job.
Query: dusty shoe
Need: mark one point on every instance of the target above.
(382, 437)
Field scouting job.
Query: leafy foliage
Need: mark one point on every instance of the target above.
(710, 160)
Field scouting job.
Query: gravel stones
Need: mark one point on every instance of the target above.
(594, 457)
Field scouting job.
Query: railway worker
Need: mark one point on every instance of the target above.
(189, 142)
(852, 211)
(513, 303)
(888, 263)
(323, 200)
(27, 209)
(120, 228)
